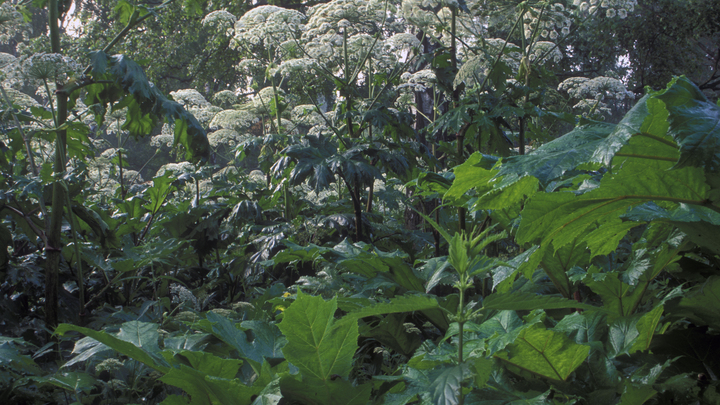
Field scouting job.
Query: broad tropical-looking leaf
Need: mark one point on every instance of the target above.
(546, 353)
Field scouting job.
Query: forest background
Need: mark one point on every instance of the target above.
(392, 202)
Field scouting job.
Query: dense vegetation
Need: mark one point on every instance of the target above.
(360, 201)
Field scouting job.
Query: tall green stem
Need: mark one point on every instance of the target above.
(53, 248)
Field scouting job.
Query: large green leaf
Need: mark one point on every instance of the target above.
(694, 123)
(266, 342)
(703, 303)
(121, 346)
(320, 346)
(553, 159)
(545, 352)
(206, 389)
(393, 333)
(446, 384)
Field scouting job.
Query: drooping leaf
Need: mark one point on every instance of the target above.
(545, 352)
(553, 159)
(267, 340)
(121, 346)
(209, 390)
(694, 123)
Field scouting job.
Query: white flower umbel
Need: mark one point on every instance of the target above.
(189, 98)
(239, 120)
(50, 67)
(267, 25)
(546, 50)
(176, 168)
(223, 137)
(225, 98)
(220, 20)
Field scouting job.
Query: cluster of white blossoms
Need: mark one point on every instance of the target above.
(474, 70)
(267, 25)
(7, 62)
(595, 94)
(50, 67)
(220, 20)
(182, 295)
(400, 44)
(189, 98)
(544, 51)
(11, 23)
(293, 67)
(352, 16)
(163, 139)
(223, 137)
(612, 8)
(250, 67)
(176, 168)
(204, 115)
(306, 114)
(225, 98)
(18, 98)
(549, 22)
(238, 120)
(419, 80)
(599, 88)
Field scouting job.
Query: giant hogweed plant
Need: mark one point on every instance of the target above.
(621, 313)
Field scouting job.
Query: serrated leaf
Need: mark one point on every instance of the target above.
(209, 390)
(267, 342)
(141, 334)
(703, 304)
(694, 123)
(553, 159)
(546, 353)
(121, 346)
(318, 345)
(445, 384)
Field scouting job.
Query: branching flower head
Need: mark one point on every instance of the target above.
(267, 25)
(50, 67)
(548, 51)
(293, 67)
(223, 137)
(225, 99)
(220, 20)
(189, 98)
(238, 120)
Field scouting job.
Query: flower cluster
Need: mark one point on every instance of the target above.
(182, 295)
(550, 22)
(239, 120)
(220, 20)
(594, 94)
(11, 22)
(163, 140)
(613, 8)
(223, 137)
(544, 51)
(267, 25)
(294, 66)
(599, 88)
(306, 114)
(419, 80)
(176, 168)
(50, 67)
(189, 97)
(225, 98)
